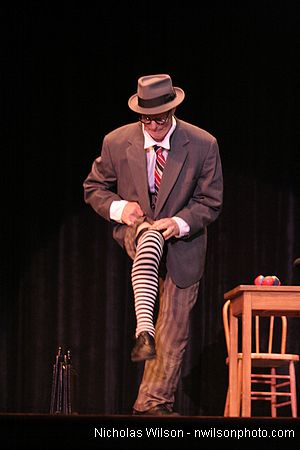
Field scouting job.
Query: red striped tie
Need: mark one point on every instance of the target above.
(159, 167)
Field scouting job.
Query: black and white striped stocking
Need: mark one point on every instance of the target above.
(144, 278)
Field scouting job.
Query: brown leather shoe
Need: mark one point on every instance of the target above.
(144, 347)
(158, 410)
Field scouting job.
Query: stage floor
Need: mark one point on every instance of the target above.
(78, 431)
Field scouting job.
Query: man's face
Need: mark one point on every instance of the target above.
(157, 125)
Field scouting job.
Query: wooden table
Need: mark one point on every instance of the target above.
(246, 301)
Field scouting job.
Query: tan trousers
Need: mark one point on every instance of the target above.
(161, 375)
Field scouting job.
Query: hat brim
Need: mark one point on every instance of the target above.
(133, 104)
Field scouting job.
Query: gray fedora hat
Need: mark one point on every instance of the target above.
(155, 95)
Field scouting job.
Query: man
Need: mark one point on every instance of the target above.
(159, 180)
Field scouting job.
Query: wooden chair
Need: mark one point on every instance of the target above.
(266, 382)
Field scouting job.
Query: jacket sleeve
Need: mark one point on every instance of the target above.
(100, 184)
(206, 202)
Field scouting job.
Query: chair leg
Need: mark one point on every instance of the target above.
(226, 408)
(293, 389)
(273, 391)
(239, 389)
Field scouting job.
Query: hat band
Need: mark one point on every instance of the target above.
(157, 101)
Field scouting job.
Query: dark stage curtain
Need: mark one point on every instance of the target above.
(68, 74)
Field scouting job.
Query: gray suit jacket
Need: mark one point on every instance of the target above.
(191, 188)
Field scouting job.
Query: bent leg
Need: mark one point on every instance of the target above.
(144, 277)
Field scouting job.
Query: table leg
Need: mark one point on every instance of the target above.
(246, 349)
(233, 367)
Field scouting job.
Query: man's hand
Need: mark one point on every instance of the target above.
(131, 212)
(169, 226)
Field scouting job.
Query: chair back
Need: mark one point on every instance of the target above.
(268, 336)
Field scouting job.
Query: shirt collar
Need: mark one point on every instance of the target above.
(165, 143)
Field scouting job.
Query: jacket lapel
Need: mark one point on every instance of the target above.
(137, 161)
(175, 161)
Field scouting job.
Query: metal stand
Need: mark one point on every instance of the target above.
(62, 392)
